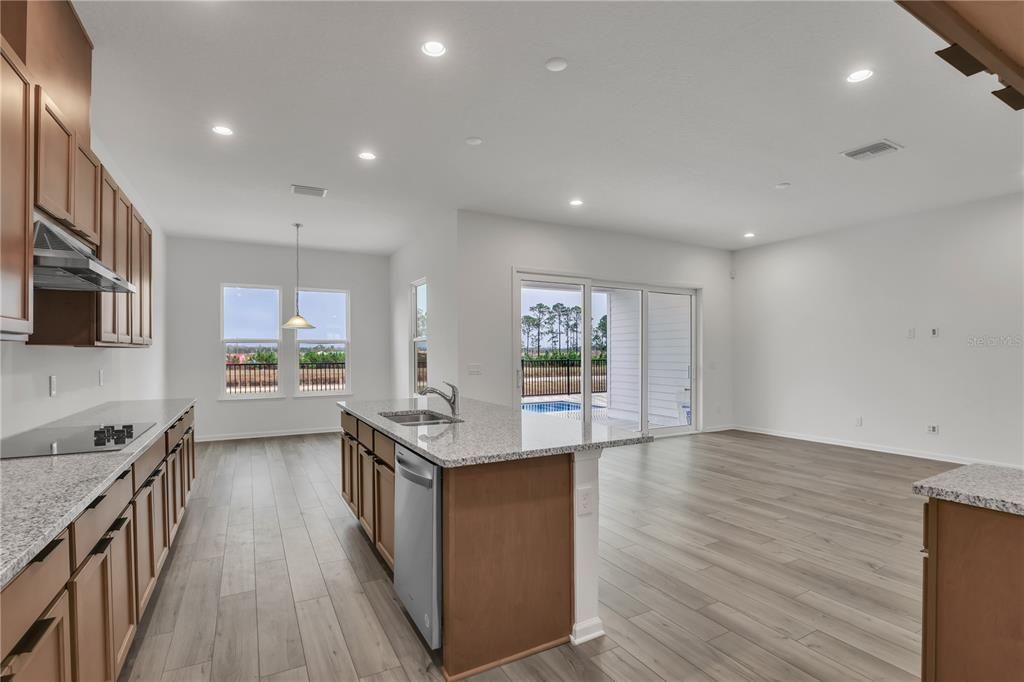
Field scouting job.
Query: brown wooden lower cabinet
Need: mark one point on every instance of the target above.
(145, 520)
(973, 616)
(92, 616)
(348, 466)
(173, 493)
(44, 653)
(384, 507)
(161, 536)
(366, 511)
(122, 595)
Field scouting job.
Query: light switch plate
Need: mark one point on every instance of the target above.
(584, 500)
(474, 368)
(53, 385)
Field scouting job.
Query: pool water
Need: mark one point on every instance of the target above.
(554, 406)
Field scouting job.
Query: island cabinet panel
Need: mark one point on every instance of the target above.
(366, 478)
(26, 597)
(348, 469)
(44, 653)
(16, 192)
(144, 519)
(384, 508)
(507, 561)
(87, 192)
(55, 160)
(173, 493)
(974, 594)
(93, 523)
(161, 531)
(122, 596)
(92, 617)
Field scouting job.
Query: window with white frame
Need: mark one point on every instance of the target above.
(250, 335)
(419, 335)
(323, 352)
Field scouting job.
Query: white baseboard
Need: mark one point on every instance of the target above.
(874, 447)
(265, 434)
(586, 631)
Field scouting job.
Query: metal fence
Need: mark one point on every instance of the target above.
(421, 370)
(562, 377)
(262, 377)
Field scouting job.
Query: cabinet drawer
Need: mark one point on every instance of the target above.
(44, 653)
(384, 448)
(365, 435)
(95, 521)
(178, 429)
(348, 424)
(144, 466)
(25, 598)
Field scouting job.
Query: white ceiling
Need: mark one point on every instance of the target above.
(673, 119)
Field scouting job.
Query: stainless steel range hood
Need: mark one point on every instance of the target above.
(63, 262)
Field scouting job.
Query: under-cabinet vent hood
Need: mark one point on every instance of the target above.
(63, 262)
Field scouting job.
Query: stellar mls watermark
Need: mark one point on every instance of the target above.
(995, 341)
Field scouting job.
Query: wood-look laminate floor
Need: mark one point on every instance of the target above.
(725, 556)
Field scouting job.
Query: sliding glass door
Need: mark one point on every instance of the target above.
(605, 353)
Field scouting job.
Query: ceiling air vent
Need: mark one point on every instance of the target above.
(872, 150)
(307, 191)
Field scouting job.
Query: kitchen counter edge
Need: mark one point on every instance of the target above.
(988, 486)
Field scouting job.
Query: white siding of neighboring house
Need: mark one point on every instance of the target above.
(624, 355)
(668, 363)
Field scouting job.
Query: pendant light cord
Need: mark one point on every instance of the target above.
(297, 226)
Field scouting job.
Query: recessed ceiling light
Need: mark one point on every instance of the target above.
(474, 141)
(367, 156)
(784, 185)
(432, 48)
(223, 130)
(556, 64)
(576, 202)
(749, 235)
(860, 75)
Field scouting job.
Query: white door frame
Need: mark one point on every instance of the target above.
(588, 284)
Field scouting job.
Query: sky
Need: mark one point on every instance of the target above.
(256, 313)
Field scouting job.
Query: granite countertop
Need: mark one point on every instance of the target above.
(489, 432)
(978, 485)
(40, 496)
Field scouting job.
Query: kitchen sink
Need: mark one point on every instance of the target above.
(419, 418)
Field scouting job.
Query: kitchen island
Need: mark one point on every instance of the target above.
(973, 619)
(518, 520)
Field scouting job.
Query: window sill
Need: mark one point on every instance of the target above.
(321, 394)
(227, 397)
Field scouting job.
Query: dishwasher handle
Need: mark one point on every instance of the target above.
(407, 469)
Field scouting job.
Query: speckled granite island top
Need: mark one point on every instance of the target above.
(978, 485)
(40, 496)
(488, 432)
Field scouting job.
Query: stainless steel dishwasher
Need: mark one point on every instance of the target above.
(418, 542)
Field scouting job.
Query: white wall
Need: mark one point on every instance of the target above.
(821, 326)
(489, 247)
(129, 373)
(195, 357)
(430, 255)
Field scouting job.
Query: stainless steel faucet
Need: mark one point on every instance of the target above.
(452, 400)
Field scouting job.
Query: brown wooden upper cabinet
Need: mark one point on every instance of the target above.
(87, 194)
(16, 177)
(122, 248)
(107, 314)
(145, 249)
(135, 276)
(55, 160)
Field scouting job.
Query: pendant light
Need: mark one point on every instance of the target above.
(297, 321)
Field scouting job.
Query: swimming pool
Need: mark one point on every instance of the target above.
(553, 406)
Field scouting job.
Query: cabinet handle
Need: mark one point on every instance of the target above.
(52, 545)
(95, 503)
(118, 524)
(123, 474)
(148, 483)
(102, 545)
(26, 645)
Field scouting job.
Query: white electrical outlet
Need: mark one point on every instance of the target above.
(584, 500)
(53, 385)
(935, 331)
(933, 428)
(860, 421)
(911, 333)
(474, 368)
